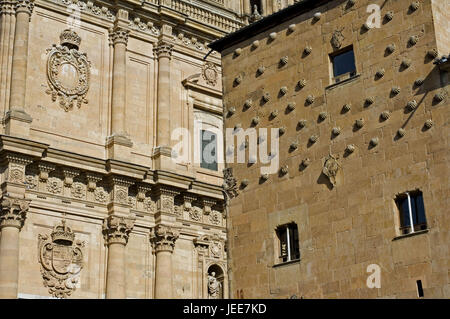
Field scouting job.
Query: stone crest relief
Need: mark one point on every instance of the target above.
(210, 73)
(337, 38)
(68, 71)
(61, 260)
(331, 168)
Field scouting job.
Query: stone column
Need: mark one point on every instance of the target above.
(118, 142)
(7, 22)
(12, 216)
(116, 231)
(163, 239)
(17, 120)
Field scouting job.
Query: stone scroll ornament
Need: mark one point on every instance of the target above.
(330, 168)
(68, 71)
(61, 260)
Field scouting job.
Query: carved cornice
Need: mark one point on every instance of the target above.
(116, 229)
(119, 35)
(25, 6)
(163, 238)
(163, 50)
(13, 211)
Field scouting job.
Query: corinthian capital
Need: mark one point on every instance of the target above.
(26, 6)
(13, 212)
(116, 229)
(119, 35)
(163, 238)
(163, 50)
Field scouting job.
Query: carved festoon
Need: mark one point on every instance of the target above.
(13, 211)
(68, 71)
(116, 229)
(163, 238)
(61, 260)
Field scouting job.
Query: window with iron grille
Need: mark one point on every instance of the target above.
(412, 212)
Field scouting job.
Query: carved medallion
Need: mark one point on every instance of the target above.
(210, 73)
(330, 168)
(215, 218)
(68, 71)
(61, 260)
(337, 38)
(195, 213)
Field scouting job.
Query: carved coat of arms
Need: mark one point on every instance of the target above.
(210, 73)
(337, 38)
(68, 71)
(61, 260)
(331, 168)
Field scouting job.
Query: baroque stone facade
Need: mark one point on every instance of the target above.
(348, 150)
(91, 92)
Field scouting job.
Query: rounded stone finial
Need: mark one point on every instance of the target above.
(432, 53)
(374, 141)
(414, 5)
(359, 123)
(313, 139)
(391, 48)
(323, 116)
(385, 115)
(380, 73)
(302, 123)
(389, 15)
(418, 82)
(307, 50)
(301, 83)
(350, 148)
(255, 120)
(283, 90)
(395, 90)
(238, 52)
(412, 105)
(336, 131)
(261, 70)
(255, 44)
(273, 36)
(291, 27)
(274, 113)
(310, 99)
(401, 132)
(291, 106)
(439, 97)
(428, 124)
(306, 162)
(347, 107)
(284, 60)
(413, 40)
(266, 97)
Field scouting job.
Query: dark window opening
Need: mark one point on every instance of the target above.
(208, 154)
(257, 4)
(411, 207)
(343, 64)
(289, 244)
(419, 288)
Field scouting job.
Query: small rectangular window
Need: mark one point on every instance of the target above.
(412, 212)
(419, 288)
(208, 154)
(343, 64)
(288, 242)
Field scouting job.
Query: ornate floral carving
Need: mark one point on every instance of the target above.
(13, 211)
(78, 190)
(164, 237)
(230, 183)
(163, 50)
(215, 218)
(100, 195)
(149, 205)
(330, 168)
(68, 71)
(116, 229)
(148, 27)
(210, 73)
(16, 173)
(31, 181)
(54, 185)
(61, 260)
(119, 35)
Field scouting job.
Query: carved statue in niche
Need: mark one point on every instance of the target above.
(331, 168)
(61, 260)
(214, 286)
(68, 71)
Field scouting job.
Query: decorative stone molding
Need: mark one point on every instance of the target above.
(163, 238)
(119, 35)
(166, 198)
(207, 205)
(215, 218)
(89, 7)
(142, 190)
(337, 38)
(116, 229)
(54, 185)
(7, 7)
(61, 260)
(147, 27)
(78, 190)
(163, 50)
(13, 211)
(100, 195)
(331, 168)
(195, 213)
(210, 73)
(26, 6)
(68, 71)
